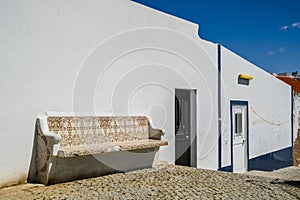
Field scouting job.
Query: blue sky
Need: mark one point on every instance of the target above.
(265, 32)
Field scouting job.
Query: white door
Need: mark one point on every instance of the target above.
(239, 119)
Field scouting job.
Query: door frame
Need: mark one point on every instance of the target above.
(239, 103)
(192, 124)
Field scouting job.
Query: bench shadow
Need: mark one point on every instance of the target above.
(31, 178)
(81, 167)
(89, 166)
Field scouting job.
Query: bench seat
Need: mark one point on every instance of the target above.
(82, 150)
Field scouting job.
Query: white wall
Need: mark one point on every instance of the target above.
(269, 107)
(99, 56)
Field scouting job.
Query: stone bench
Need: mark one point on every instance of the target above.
(69, 148)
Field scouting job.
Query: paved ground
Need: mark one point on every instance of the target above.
(289, 174)
(164, 182)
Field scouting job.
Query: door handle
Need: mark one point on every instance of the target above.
(244, 141)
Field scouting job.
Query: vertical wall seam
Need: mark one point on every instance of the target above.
(292, 116)
(219, 109)
(247, 135)
(231, 135)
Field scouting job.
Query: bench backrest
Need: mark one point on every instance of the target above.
(94, 130)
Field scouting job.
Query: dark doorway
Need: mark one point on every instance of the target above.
(185, 127)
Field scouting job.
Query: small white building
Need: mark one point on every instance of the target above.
(294, 81)
(121, 58)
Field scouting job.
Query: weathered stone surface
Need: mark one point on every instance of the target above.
(297, 150)
(163, 182)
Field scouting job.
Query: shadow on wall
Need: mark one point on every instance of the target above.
(272, 161)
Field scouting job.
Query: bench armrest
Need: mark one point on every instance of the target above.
(155, 133)
(55, 138)
(42, 125)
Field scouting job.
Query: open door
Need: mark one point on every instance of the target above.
(185, 127)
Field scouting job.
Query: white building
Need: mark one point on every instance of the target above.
(120, 57)
(294, 81)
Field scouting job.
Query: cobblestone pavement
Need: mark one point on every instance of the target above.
(163, 182)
